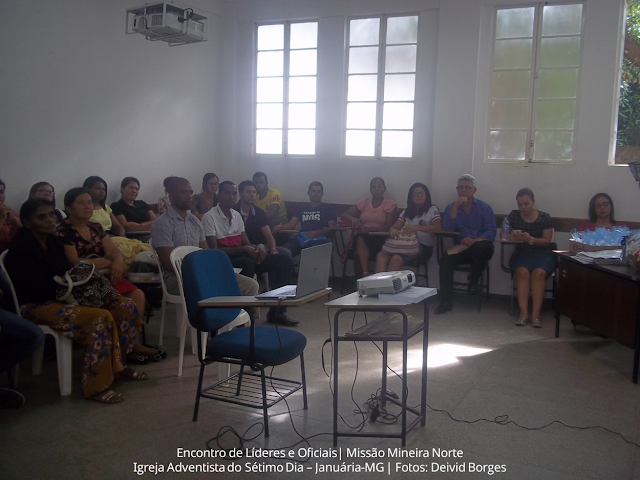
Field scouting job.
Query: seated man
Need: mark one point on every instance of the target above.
(179, 227)
(270, 200)
(314, 219)
(224, 229)
(476, 223)
(19, 338)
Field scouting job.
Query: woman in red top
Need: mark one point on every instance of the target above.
(600, 214)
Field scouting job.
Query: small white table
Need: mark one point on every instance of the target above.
(355, 303)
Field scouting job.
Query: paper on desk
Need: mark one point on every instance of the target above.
(601, 256)
(453, 249)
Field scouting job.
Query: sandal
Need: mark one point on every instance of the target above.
(137, 359)
(130, 374)
(107, 396)
(158, 356)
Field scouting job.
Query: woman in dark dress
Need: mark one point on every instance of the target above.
(108, 333)
(533, 261)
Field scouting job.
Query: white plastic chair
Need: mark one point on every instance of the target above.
(177, 255)
(63, 345)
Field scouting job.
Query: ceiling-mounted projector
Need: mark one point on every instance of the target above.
(168, 22)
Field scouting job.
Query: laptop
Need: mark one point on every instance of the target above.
(313, 274)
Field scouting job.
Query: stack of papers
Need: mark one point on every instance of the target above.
(600, 257)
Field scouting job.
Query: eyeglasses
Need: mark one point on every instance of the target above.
(46, 191)
(418, 193)
(465, 187)
(602, 205)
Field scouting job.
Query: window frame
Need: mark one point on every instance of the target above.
(380, 102)
(286, 76)
(535, 85)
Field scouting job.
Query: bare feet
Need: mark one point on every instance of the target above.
(130, 374)
(108, 396)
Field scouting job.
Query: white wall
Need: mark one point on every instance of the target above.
(79, 97)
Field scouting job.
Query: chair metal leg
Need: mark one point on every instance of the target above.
(240, 379)
(265, 415)
(195, 410)
(304, 381)
(512, 295)
(183, 337)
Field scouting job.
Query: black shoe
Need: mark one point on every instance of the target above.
(474, 289)
(443, 308)
(10, 398)
(282, 319)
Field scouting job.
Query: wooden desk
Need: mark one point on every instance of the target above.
(355, 303)
(248, 302)
(605, 298)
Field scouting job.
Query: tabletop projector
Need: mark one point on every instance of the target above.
(386, 282)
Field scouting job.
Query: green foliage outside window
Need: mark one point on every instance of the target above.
(629, 107)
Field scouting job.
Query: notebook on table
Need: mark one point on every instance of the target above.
(313, 274)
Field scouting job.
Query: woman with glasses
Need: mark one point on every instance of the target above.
(420, 217)
(600, 214)
(9, 222)
(373, 214)
(45, 191)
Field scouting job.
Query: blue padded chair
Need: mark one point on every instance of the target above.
(209, 273)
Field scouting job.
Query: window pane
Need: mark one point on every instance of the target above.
(303, 35)
(302, 142)
(302, 89)
(401, 59)
(399, 87)
(514, 22)
(560, 52)
(363, 60)
(302, 115)
(555, 114)
(270, 64)
(269, 115)
(361, 115)
(510, 114)
(303, 62)
(362, 88)
(511, 84)
(269, 141)
(269, 89)
(397, 116)
(360, 143)
(271, 37)
(397, 144)
(365, 31)
(512, 54)
(402, 30)
(561, 19)
(558, 83)
(553, 146)
(506, 145)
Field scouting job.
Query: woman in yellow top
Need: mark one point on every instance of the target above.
(102, 214)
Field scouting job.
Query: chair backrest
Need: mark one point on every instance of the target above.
(208, 273)
(161, 270)
(16, 305)
(176, 257)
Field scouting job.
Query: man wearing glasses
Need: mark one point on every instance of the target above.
(476, 224)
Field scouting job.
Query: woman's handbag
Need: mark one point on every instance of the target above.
(402, 245)
(83, 285)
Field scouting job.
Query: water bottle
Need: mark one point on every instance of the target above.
(623, 252)
(505, 229)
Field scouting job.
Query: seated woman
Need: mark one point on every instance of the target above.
(420, 217)
(83, 239)
(205, 201)
(9, 221)
(45, 191)
(102, 212)
(108, 333)
(532, 261)
(134, 215)
(165, 202)
(375, 214)
(600, 214)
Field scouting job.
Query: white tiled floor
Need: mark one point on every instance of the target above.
(580, 379)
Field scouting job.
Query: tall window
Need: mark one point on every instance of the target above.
(534, 83)
(381, 86)
(285, 117)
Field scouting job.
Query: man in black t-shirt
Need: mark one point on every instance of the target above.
(277, 260)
